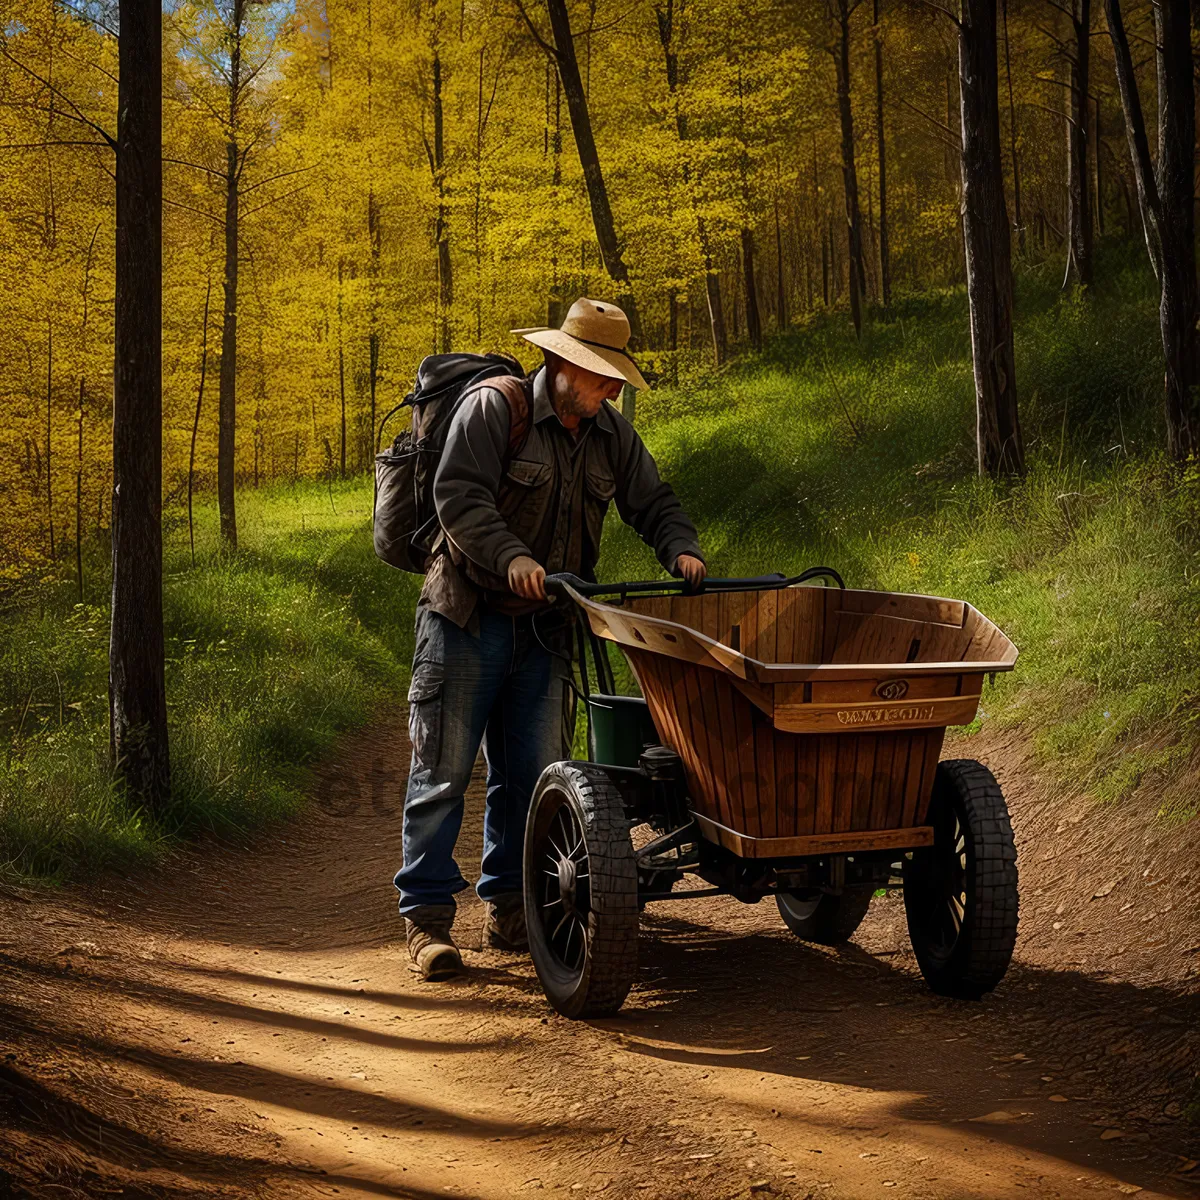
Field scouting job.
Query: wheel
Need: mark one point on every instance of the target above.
(823, 918)
(581, 905)
(960, 894)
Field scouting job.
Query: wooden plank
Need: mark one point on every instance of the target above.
(833, 608)
(879, 714)
(808, 625)
(868, 687)
(750, 625)
(697, 729)
(805, 751)
(864, 773)
(900, 604)
(800, 847)
(726, 731)
(772, 776)
(768, 613)
(843, 784)
(913, 800)
(826, 774)
(899, 775)
(785, 625)
(706, 621)
(933, 750)
(758, 800)
(883, 780)
(724, 617)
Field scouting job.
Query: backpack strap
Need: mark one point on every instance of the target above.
(516, 392)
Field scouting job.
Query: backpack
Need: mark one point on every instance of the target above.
(404, 519)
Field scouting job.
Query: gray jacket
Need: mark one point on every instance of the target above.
(550, 504)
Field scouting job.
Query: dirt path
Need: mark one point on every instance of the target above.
(243, 1024)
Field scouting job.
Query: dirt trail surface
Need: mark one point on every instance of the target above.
(243, 1024)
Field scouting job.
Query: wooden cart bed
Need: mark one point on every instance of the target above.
(809, 719)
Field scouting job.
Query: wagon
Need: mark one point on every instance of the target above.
(785, 745)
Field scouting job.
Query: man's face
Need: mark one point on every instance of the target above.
(578, 393)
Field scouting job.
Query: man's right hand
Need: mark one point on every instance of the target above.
(527, 578)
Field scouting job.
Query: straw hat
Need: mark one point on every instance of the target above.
(593, 336)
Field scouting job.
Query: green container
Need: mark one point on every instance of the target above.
(619, 729)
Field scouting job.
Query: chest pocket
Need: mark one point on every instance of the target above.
(526, 473)
(525, 495)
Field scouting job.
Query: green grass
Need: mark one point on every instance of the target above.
(825, 450)
(860, 457)
(270, 654)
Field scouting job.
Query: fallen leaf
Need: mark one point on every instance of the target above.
(1109, 1134)
(999, 1117)
(1060, 1099)
(1188, 1164)
(1100, 893)
(1128, 1189)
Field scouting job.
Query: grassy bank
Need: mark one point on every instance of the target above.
(860, 456)
(269, 655)
(855, 454)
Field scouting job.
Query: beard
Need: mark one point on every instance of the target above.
(567, 400)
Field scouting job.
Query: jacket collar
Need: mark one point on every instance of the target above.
(543, 409)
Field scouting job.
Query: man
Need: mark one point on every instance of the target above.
(491, 652)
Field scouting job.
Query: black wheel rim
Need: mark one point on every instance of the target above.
(943, 876)
(563, 888)
(950, 893)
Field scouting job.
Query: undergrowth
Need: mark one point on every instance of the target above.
(270, 654)
(858, 454)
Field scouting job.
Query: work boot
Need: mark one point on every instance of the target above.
(506, 922)
(430, 945)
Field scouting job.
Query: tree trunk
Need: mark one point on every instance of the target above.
(589, 160)
(857, 279)
(712, 292)
(1012, 136)
(49, 411)
(137, 688)
(885, 269)
(227, 383)
(1166, 200)
(83, 340)
(196, 419)
(441, 232)
(342, 370)
(1135, 132)
(1176, 190)
(780, 284)
(712, 280)
(986, 244)
(753, 319)
(1098, 154)
(1079, 192)
(227, 428)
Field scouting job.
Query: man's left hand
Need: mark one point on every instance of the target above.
(691, 568)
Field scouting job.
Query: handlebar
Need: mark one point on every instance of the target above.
(555, 584)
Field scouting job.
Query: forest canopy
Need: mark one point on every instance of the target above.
(388, 180)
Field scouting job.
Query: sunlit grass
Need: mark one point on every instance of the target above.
(270, 654)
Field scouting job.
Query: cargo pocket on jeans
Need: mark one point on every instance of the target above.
(425, 712)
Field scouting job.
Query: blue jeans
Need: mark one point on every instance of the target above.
(504, 690)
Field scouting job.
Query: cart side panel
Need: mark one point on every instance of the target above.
(763, 782)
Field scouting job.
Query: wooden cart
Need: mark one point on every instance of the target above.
(786, 743)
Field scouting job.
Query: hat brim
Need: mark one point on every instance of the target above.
(615, 364)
